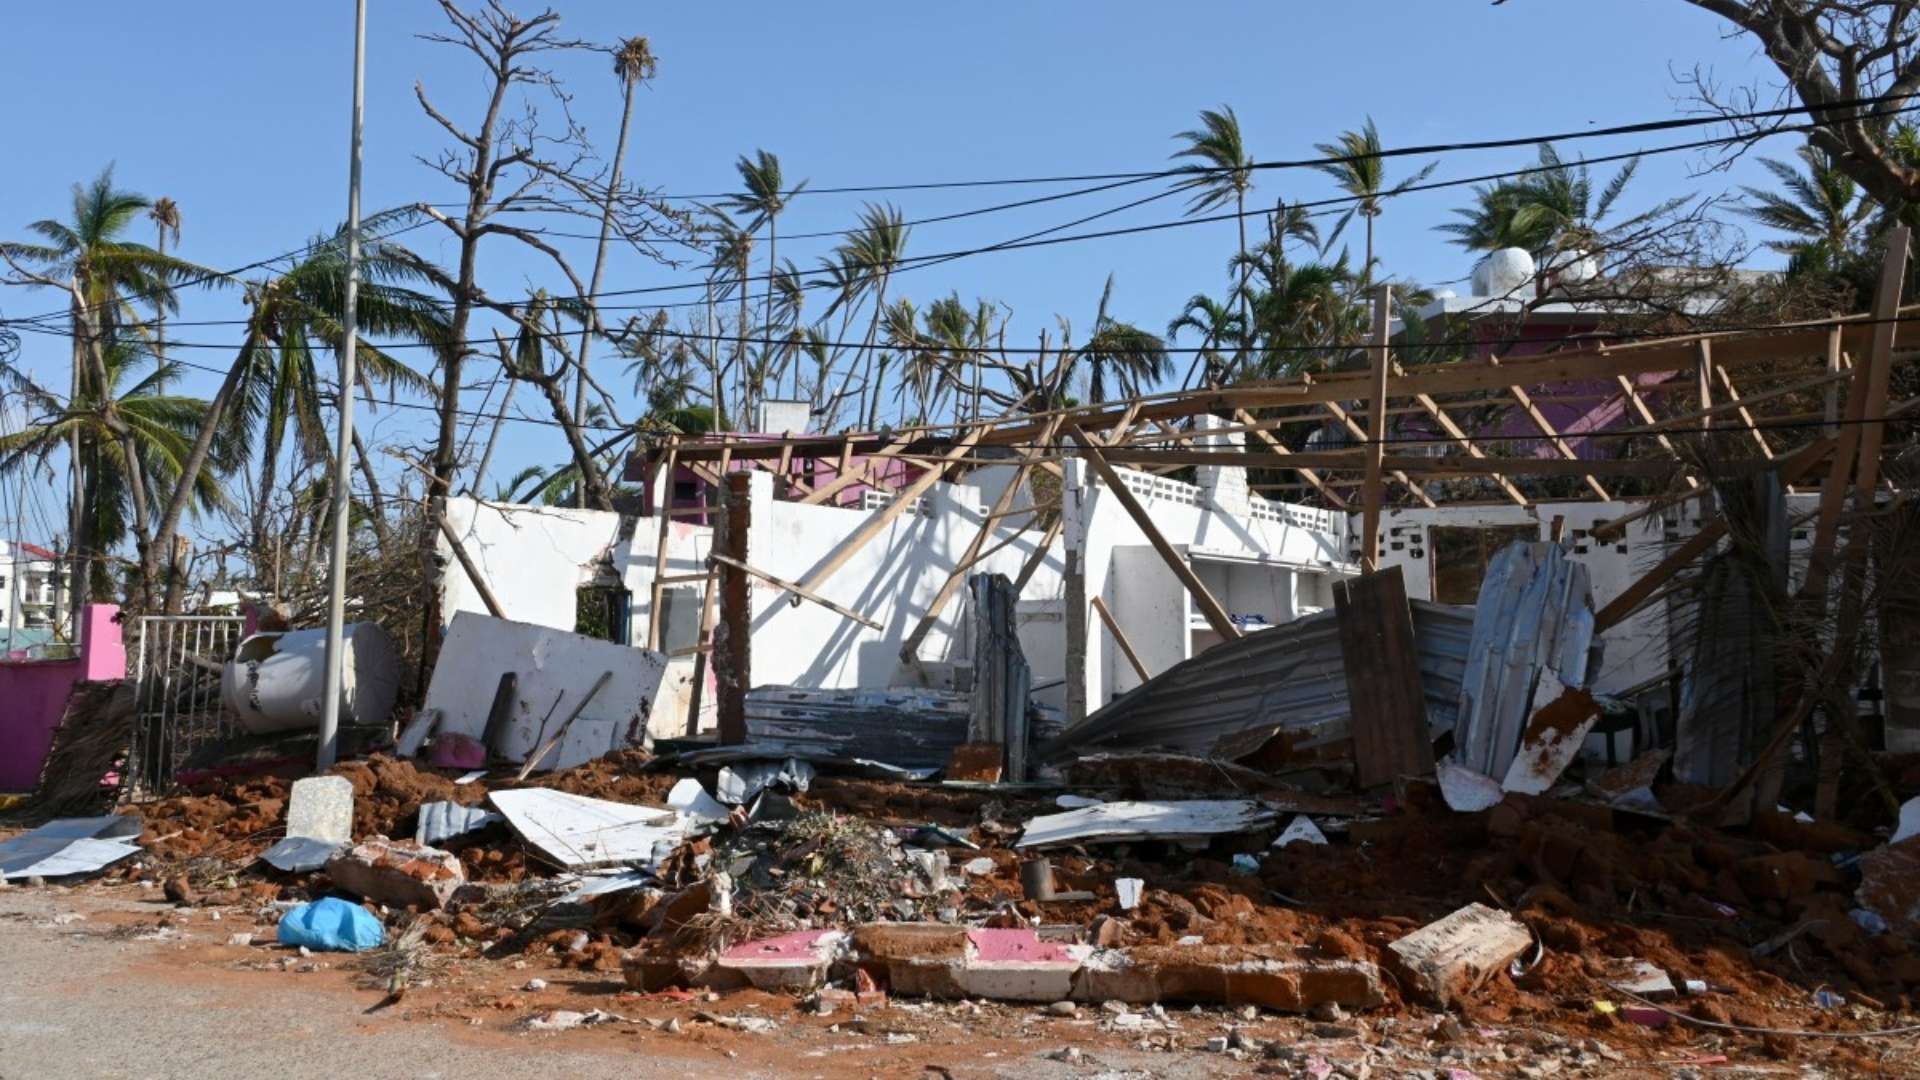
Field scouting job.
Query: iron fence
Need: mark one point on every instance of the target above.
(177, 664)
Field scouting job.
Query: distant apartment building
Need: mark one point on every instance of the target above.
(33, 595)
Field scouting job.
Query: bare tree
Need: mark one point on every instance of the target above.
(510, 163)
(1854, 64)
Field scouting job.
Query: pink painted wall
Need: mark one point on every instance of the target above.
(33, 695)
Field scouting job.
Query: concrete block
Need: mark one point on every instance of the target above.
(321, 808)
(1451, 957)
(397, 873)
(796, 961)
(1016, 965)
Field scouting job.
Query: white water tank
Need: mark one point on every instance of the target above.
(276, 681)
(1566, 268)
(1507, 272)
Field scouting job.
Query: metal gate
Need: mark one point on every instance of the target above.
(176, 671)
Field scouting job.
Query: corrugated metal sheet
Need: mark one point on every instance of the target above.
(912, 728)
(1532, 637)
(1232, 698)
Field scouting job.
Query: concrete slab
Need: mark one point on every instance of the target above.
(321, 807)
(1452, 956)
(796, 961)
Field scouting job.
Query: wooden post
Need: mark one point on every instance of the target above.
(1460, 439)
(1866, 384)
(1835, 352)
(1703, 380)
(733, 635)
(1120, 638)
(1312, 478)
(910, 648)
(788, 586)
(662, 501)
(1376, 430)
(1216, 616)
(878, 520)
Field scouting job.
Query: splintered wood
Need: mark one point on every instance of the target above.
(1382, 666)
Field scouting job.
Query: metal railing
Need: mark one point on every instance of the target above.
(177, 664)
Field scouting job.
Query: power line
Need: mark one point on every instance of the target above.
(1109, 180)
(1458, 146)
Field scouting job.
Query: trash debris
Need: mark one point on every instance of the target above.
(738, 784)
(1186, 820)
(442, 821)
(274, 683)
(330, 925)
(1301, 830)
(1127, 891)
(1448, 959)
(68, 847)
(397, 873)
(300, 854)
(581, 833)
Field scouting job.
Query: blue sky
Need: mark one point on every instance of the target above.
(238, 111)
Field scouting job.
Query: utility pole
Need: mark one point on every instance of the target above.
(343, 445)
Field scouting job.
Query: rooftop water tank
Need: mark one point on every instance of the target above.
(1506, 272)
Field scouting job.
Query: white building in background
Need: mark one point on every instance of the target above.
(33, 595)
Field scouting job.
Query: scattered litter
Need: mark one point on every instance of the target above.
(1300, 830)
(442, 821)
(1127, 891)
(1174, 820)
(739, 783)
(300, 854)
(66, 847)
(581, 833)
(692, 800)
(331, 925)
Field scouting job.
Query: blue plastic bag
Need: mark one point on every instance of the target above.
(331, 925)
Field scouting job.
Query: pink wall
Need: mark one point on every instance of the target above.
(33, 695)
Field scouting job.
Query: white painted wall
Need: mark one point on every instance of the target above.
(1299, 546)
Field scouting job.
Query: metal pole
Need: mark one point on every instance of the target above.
(343, 446)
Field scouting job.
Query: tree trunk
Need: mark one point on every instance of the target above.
(599, 263)
(189, 480)
(1246, 312)
(493, 438)
(740, 353)
(867, 347)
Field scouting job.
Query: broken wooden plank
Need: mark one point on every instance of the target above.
(1382, 666)
(1210, 608)
(796, 589)
(1120, 638)
(879, 519)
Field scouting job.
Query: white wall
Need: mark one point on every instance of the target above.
(1218, 515)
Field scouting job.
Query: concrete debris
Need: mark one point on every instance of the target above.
(1446, 960)
(1115, 822)
(1890, 885)
(796, 961)
(1127, 892)
(321, 807)
(397, 873)
(1909, 825)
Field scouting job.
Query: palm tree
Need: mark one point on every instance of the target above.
(765, 197)
(1361, 172)
(102, 274)
(159, 426)
(165, 215)
(1215, 322)
(1552, 209)
(1820, 210)
(1221, 172)
(1130, 356)
(870, 254)
(729, 266)
(275, 382)
(1306, 315)
(633, 64)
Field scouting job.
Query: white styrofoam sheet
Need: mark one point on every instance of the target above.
(581, 833)
(1172, 819)
(479, 649)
